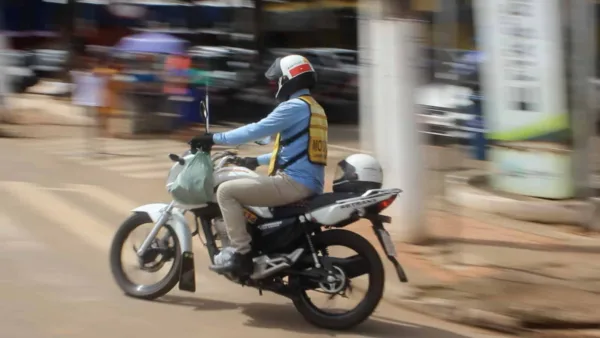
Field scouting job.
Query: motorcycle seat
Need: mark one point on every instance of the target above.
(310, 203)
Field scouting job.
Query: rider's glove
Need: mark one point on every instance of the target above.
(204, 141)
(247, 162)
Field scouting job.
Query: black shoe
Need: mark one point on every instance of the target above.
(240, 265)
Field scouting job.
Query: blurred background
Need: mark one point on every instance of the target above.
(484, 112)
(234, 40)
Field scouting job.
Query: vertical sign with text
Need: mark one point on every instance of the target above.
(525, 98)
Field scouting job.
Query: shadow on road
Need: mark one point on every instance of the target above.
(285, 317)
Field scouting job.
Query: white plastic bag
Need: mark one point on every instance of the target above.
(194, 184)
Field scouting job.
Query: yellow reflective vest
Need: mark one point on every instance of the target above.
(316, 149)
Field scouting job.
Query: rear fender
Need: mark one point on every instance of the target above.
(345, 209)
(176, 221)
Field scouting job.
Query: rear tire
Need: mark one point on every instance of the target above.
(373, 294)
(116, 265)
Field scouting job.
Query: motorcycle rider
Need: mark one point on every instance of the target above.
(296, 165)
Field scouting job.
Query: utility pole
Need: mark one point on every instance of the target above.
(259, 39)
(364, 19)
(69, 35)
(391, 44)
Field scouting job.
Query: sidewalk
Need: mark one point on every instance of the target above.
(497, 277)
(27, 109)
(32, 109)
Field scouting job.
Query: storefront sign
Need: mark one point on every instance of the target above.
(523, 82)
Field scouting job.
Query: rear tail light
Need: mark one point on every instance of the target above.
(379, 207)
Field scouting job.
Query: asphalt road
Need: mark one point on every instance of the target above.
(59, 211)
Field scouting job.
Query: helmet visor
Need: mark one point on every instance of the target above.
(344, 172)
(274, 72)
(339, 173)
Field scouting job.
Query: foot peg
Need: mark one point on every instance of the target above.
(264, 266)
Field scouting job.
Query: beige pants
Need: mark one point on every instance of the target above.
(270, 191)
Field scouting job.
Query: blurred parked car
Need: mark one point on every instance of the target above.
(458, 67)
(18, 70)
(446, 112)
(346, 56)
(49, 63)
(227, 75)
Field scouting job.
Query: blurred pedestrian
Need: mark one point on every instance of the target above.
(88, 93)
(177, 74)
(106, 70)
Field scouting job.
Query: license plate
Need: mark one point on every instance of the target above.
(388, 244)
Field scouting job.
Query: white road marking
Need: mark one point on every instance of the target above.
(59, 211)
(142, 167)
(74, 219)
(150, 175)
(116, 202)
(36, 263)
(141, 159)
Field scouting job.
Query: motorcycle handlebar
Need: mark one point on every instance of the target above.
(193, 149)
(223, 158)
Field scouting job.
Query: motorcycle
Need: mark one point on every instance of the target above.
(290, 245)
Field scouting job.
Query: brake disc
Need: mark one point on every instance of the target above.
(148, 261)
(336, 282)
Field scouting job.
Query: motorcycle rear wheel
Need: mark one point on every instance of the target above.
(147, 292)
(373, 294)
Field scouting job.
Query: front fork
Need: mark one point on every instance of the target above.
(166, 214)
(187, 275)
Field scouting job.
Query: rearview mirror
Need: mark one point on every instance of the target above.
(264, 141)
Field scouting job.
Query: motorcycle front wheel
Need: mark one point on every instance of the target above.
(171, 253)
(373, 268)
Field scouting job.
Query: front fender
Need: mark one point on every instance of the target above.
(176, 221)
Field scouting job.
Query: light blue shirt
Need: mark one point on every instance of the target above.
(289, 118)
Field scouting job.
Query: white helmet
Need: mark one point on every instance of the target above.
(358, 173)
(292, 73)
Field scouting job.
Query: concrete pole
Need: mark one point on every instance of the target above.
(583, 69)
(365, 117)
(397, 142)
(583, 41)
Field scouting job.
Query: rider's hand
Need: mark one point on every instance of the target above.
(247, 162)
(204, 141)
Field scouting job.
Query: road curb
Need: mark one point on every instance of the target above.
(7, 134)
(466, 189)
(462, 312)
(590, 333)
(452, 311)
